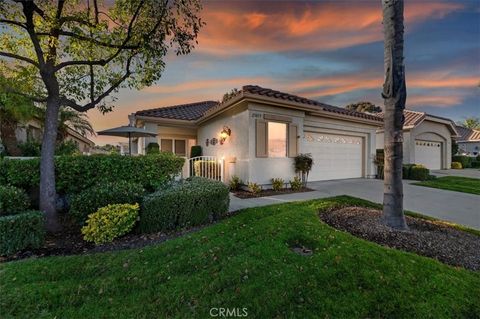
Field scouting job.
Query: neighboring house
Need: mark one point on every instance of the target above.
(32, 131)
(427, 139)
(468, 141)
(267, 129)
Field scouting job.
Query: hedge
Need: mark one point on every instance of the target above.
(191, 202)
(13, 200)
(475, 164)
(466, 161)
(21, 231)
(409, 171)
(103, 194)
(77, 173)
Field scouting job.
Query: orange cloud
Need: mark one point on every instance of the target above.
(289, 26)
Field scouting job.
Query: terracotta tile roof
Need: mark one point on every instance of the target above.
(412, 118)
(188, 112)
(257, 90)
(467, 134)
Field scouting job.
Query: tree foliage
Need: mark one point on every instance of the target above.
(364, 107)
(93, 48)
(470, 122)
(230, 94)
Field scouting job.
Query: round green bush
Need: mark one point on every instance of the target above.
(457, 165)
(103, 194)
(13, 200)
(110, 222)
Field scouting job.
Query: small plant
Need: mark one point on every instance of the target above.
(110, 222)
(195, 151)
(13, 200)
(235, 183)
(296, 183)
(457, 165)
(277, 184)
(254, 188)
(303, 165)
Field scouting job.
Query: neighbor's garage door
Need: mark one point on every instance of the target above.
(428, 153)
(334, 156)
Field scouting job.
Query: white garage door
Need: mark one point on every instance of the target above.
(428, 153)
(334, 156)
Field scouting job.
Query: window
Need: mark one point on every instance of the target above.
(277, 139)
(178, 147)
(166, 145)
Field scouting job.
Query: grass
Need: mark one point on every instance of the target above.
(454, 183)
(244, 262)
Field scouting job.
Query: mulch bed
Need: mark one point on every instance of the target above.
(70, 242)
(269, 192)
(427, 238)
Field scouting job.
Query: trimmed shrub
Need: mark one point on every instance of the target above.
(77, 173)
(407, 171)
(21, 231)
(419, 173)
(235, 183)
(254, 188)
(475, 164)
(296, 183)
(152, 148)
(110, 222)
(209, 169)
(303, 165)
(195, 151)
(466, 161)
(457, 165)
(103, 194)
(186, 203)
(277, 184)
(13, 200)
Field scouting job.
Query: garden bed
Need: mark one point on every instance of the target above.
(424, 237)
(243, 194)
(70, 242)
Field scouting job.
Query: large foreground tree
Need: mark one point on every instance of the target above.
(395, 95)
(81, 51)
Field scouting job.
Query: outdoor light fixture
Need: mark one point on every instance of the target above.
(226, 132)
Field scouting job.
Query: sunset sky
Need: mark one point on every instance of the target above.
(331, 51)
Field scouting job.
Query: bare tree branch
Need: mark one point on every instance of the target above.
(19, 57)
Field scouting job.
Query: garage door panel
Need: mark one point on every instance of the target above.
(335, 156)
(428, 153)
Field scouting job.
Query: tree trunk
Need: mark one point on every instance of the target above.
(395, 94)
(9, 138)
(47, 165)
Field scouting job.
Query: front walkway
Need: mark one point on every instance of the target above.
(467, 172)
(460, 208)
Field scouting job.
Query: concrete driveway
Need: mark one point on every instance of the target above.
(460, 208)
(467, 172)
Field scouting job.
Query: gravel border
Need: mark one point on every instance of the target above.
(424, 237)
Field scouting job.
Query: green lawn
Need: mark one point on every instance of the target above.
(244, 262)
(454, 183)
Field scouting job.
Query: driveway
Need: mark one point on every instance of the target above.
(450, 206)
(467, 172)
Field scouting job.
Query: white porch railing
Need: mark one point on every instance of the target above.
(205, 166)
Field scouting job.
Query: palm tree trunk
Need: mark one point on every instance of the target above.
(47, 165)
(395, 94)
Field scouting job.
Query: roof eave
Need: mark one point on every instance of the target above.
(161, 120)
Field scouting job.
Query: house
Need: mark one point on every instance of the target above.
(468, 141)
(258, 131)
(427, 139)
(32, 131)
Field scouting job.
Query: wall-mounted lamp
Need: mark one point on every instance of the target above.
(226, 132)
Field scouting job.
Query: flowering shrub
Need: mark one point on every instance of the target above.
(13, 200)
(457, 165)
(277, 184)
(296, 183)
(110, 222)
